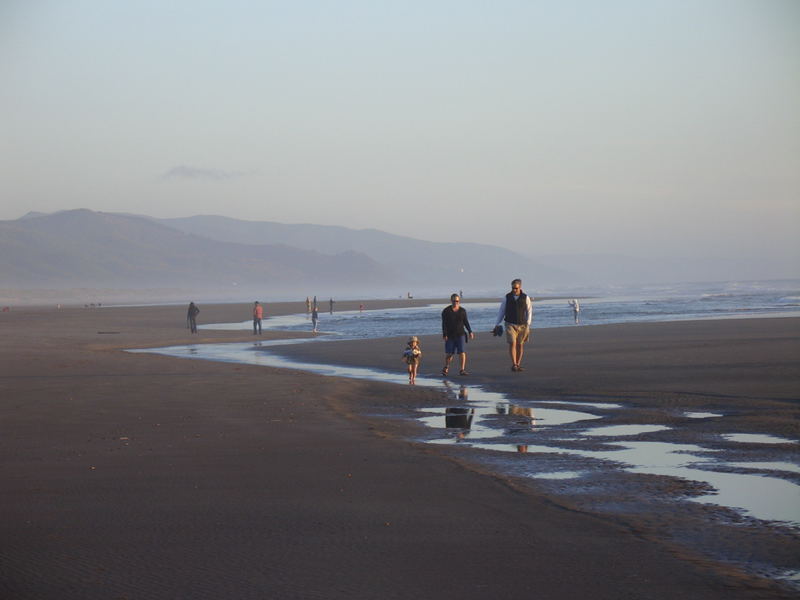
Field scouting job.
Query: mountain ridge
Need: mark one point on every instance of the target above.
(87, 248)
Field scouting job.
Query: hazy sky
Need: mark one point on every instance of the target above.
(656, 127)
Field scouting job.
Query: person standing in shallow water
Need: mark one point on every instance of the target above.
(576, 310)
(314, 318)
(191, 317)
(516, 310)
(455, 328)
(258, 314)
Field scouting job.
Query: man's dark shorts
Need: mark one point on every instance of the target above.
(455, 346)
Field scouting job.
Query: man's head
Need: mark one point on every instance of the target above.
(455, 299)
(516, 287)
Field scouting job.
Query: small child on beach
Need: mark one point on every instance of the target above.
(412, 356)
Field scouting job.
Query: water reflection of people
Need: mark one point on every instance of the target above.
(458, 418)
(523, 411)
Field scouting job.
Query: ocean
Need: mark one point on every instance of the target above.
(647, 304)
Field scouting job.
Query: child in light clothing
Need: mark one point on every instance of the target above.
(412, 356)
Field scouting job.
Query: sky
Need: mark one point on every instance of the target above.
(658, 128)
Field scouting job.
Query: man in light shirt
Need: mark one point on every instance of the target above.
(516, 311)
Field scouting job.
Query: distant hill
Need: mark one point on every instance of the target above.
(225, 257)
(412, 261)
(93, 249)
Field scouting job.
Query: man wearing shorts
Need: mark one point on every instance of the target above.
(516, 311)
(455, 326)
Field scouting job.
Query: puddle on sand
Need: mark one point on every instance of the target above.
(766, 466)
(625, 430)
(759, 495)
(601, 405)
(756, 438)
(701, 415)
(561, 475)
(484, 415)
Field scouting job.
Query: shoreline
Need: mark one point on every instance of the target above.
(163, 441)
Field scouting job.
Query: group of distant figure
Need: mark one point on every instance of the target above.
(514, 318)
(312, 310)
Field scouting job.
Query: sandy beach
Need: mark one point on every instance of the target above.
(144, 476)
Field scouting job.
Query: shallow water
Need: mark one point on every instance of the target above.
(475, 416)
(756, 438)
(701, 415)
(671, 303)
(624, 430)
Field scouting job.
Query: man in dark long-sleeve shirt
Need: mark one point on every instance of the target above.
(455, 327)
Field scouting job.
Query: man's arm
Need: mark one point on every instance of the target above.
(466, 322)
(501, 314)
(530, 310)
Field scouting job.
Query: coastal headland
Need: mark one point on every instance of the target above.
(144, 476)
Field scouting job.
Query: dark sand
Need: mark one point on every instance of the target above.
(142, 476)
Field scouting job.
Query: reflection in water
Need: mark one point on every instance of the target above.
(756, 438)
(458, 418)
(481, 416)
(624, 430)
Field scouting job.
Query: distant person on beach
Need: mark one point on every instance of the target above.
(258, 314)
(576, 309)
(516, 311)
(455, 327)
(191, 317)
(308, 305)
(314, 318)
(412, 356)
(360, 308)
(331, 304)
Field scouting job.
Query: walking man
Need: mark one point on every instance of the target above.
(191, 317)
(516, 310)
(258, 314)
(455, 327)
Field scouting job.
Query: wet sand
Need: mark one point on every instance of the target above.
(142, 476)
